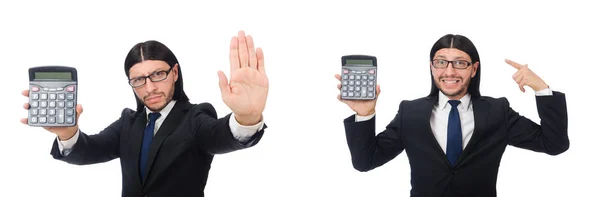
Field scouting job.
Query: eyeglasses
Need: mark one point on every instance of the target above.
(154, 77)
(458, 64)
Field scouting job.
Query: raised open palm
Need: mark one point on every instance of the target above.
(246, 93)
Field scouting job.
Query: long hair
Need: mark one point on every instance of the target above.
(461, 43)
(154, 50)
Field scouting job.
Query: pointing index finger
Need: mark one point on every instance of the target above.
(513, 64)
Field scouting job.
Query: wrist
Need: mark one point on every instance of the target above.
(366, 113)
(66, 135)
(248, 120)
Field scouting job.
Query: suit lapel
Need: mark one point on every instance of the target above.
(136, 135)
(427, 124)
(481, 110)
(167, 127)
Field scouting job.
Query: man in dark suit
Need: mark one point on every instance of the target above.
(167, 144)
(454, 137)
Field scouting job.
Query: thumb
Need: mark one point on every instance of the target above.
(223, 85)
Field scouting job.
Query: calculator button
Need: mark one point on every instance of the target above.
(34, 119)
(61, 96)
(35, 96)
(69, 103)
(350, 88)
(60, 119)
(351, 82)
(344, 88)
(70, 96)
(351, 76)
(43, 104)
(69, 120)
(42, 111)
(371, 89)
(61, 104)
(372, 71)
(357, 88)
(363, 93)
(34, 112)
(34, 104)
(59, 89)
(52, 104)
(345, 82)
(69, 112)
(43, 96)
(350, 94)
(371, 83)
(70, 88)
(364, 77)
(370, 94)
(364, 83)
(52, 96)
(51, 119)
(45, 89)
(52, 89)
(344, 94)
(35, 89)
(42, 119)
(51, 112)
(345, 77)
(345, 71)
(60, 112)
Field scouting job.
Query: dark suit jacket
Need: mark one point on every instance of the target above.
(496, 126)
(180, 155)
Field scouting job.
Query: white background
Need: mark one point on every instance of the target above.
(304, 150)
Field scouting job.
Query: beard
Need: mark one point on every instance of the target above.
(168, 99)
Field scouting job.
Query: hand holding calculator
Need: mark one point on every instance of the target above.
(358, 83)
(52, 96)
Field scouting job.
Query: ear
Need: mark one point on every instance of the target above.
(475, 67)
(176, 72)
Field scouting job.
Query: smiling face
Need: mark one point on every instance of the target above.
(155, 95)
(453, 82)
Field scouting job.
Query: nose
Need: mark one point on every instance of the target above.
(150, 87)
(450, 70)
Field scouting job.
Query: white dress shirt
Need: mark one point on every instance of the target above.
(441, 111)
(240, 132)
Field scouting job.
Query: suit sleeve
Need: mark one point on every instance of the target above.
(97, 148)
(550, 136)
(369, 151)
(214, 134)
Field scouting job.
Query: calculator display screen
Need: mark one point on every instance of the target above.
(52, 75)
(359, 61)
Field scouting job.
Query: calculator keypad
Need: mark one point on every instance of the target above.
(358, 83)
(52, 106)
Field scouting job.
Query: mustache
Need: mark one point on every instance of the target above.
(452, 77)
(153, 94)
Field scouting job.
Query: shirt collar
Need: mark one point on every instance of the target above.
(443, 101)
(165, 111)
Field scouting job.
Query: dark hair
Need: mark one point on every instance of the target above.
(464, 44)
(154, 50)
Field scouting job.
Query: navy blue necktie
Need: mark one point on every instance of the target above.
(454, 143)
(148, 135)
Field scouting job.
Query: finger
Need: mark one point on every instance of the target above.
(519, 78)
(26, 106)
(377, 90)
(338, 77)
(234, 61)
(24, 120)
(513, 64)
(260, 56)
(339, 86)
(78, 110)
(522, 84)
(223, 85)
(242, 49)
(25, 93)
(251, 53)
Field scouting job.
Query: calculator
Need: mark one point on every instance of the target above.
(52, 96)
(359, 77)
